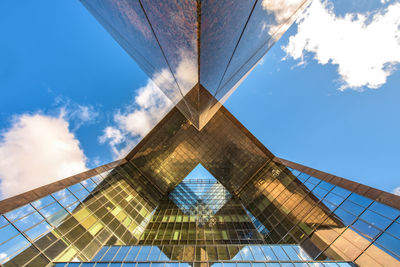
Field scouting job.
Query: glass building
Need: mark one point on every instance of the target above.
(199, 189)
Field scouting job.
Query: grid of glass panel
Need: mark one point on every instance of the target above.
(176, 148)
(75, 222)
(230, 255)
(170, 225)
(327, 220)
(374, 221)
(201, 198)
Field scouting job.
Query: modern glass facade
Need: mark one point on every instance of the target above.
(196, 51)
(245, 207)
(155, 207)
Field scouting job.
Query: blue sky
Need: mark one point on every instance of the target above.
(309, 100)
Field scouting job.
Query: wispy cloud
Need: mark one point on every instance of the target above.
(365, 47)
(396, 191)
(36, 150)
(76, 114)
(133, 123)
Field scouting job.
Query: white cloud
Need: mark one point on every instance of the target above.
(134, 123)
(282, 10)
(36, 150)
(186, 75)
(396, 191)
(365, 47)
(84, 113)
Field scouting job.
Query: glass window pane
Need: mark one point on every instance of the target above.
(238, 256)
(75, 187)
(11, 247)
(61, 194)
(154, 253)
(3, 221)
(246, 254)
(352, 207)
(68, 200)
(89, 184)
(385, 210)
(43, 202)
(360, 200)
(163, 257)
(51, 209)
(341, 191)
(257, 253)
(291, 253)
(122, 253)
(319, 192)
(110, 253)
(313, 180)
(335, 199)
(301, 252)
(366, 229)
(143, 253)
(71, 208)
(7, 232)
(280, 254)
(132, 254)
(375, 219)
(269, 254)
(38, 230)
(18, 213)
(100, 253)
(345, 216)
(28, 221)
(303, 177)
(394, 229)
(326, 185)
(389, 242)
(57, 218)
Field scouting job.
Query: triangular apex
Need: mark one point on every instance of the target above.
(175, 147)
(198, 106)
(200, 195)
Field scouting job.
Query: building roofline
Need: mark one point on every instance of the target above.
(364, 190)
(20, 200)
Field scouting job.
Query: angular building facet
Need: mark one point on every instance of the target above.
(196, 51)
(200, 189)
(250, 208)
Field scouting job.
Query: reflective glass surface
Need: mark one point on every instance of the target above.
(210, 197)
(327, 220)
(187, 46)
